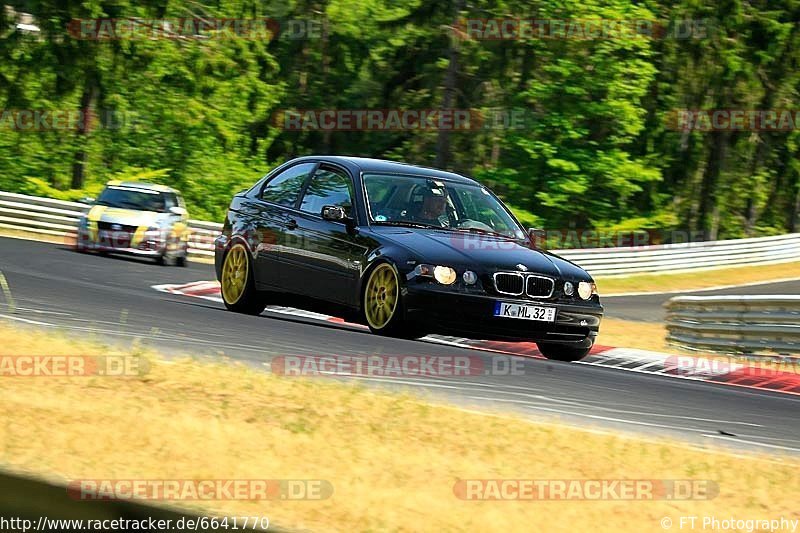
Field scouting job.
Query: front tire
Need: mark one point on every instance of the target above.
(382, 304)
(561, 352)
(237, 283)
(182, 259)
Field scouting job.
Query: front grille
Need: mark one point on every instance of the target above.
(106, 226)
(539, 287)
(512, 283)
(115, 238)
(517, 284)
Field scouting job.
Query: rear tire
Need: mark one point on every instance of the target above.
(237, 283)
(561, 352)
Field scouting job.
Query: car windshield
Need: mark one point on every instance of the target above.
(433, 202)
(128, 198)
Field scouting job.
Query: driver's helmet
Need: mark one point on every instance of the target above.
(431, 191)
(157, 204)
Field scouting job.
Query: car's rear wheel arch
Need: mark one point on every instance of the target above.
(237, 239)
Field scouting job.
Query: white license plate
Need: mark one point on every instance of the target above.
(524, 312)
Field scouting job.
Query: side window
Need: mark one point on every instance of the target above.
(284, 188)
(328, 187)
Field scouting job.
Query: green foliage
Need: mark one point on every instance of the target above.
(593, 149)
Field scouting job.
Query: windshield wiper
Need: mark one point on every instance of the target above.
(410, 224)
(485, 232)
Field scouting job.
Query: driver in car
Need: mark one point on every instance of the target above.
(434, 208)
(156, 204)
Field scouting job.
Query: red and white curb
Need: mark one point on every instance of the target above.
(783, 375)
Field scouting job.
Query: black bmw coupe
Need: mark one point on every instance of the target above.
(403, 249)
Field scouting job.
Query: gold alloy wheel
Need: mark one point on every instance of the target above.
(380, 296)
(234, 274)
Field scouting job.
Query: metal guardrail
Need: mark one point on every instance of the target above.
(735, 324)
(687, 256)
(58, 218)
(47, 216)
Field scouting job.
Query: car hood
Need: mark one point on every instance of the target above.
(479, 252)
(126, 217)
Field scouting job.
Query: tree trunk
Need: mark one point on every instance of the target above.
(753, 210)
(443, 140)
(709, 186)
(794, 218)
(84, 128)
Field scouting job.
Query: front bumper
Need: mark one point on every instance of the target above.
(119, 245)
(472, 315)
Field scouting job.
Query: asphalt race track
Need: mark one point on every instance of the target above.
(649, 307)
(111, 298)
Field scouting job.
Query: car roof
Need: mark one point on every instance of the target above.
(366, 164)
(141, 185)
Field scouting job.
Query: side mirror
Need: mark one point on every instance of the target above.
(334, 213)
(180, 211)
(538, 238)
(88, 200)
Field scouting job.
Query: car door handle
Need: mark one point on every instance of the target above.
(291, 224)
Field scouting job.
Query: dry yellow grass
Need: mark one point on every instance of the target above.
(392, 458)
(696, 280)
(630, 334)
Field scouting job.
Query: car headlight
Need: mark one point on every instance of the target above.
(586, 289)
(443, 274)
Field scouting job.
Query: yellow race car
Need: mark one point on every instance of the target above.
(139, 219)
